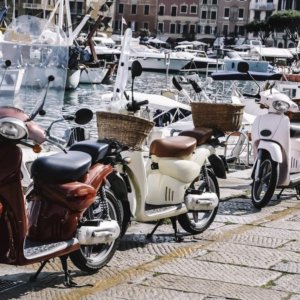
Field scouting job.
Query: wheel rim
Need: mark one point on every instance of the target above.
(199, 219)
(95, 254)
(262, 186)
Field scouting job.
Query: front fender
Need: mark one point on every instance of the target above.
(273, 148)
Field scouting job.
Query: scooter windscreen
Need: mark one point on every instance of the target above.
(33, 68)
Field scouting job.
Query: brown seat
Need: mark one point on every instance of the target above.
(201, 134)
(174, 146)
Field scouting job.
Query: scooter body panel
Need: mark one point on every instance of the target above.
(270, 132)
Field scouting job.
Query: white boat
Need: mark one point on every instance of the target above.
(93, 73)
(73, 78)
(152, 59)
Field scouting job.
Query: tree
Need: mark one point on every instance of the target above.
(287, 21)
(262, 28)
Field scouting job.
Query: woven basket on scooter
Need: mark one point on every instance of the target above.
(223, 116)
(129, 130)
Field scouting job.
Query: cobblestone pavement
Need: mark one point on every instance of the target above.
(245, 254)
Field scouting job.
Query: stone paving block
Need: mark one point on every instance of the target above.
(291, 246)
(217, 271)
(258, 256)
(260, 241)
(288, 283)
(213, 288)
(287, 267)
(276, 233)
(289, 223)
(140, 292)
(295, 297)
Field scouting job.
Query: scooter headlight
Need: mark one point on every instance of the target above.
(12, 129)
(281, 106)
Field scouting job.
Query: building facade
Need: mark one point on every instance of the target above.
(135, 14)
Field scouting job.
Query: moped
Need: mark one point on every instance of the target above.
(173, 182)
(276, 146)
(70, 211)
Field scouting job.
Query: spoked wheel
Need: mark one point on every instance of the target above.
(92, 258)
(196, 222)
(263, 188)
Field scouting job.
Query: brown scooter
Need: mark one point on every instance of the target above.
(69, 211)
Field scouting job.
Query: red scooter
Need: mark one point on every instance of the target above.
(70, 211)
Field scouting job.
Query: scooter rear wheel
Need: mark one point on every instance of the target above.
(264, 188)
(196, 222)
(92, 258)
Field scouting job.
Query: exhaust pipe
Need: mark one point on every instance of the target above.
(205, 201)
(106, 232)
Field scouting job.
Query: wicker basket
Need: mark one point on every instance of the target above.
(224, 116)
(129, 130)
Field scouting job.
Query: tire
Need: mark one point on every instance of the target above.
(196, 222)
(91, 259)
(263, 189)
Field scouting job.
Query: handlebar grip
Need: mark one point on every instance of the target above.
(257, 96)
(141, 103)
(135, 106)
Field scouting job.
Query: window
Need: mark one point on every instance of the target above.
(215, 2)
(133, 9)
(204, 1)
(193, 9)
(198, 29)
(183, 9)
(146, 10)
(192, 29)
(172, 28)
(79, 6)
(207, 30)
(161, 27)
(257, 15)
(178, 28)
(269, 1)
(225, 29)
(241, 13)
(226, 13)
(161, 10)
(204, 14)
(174, 11)
(146, 25)
(121, 8)
(213, 15)
(184, 28)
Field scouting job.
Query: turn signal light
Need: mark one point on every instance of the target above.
(37, 148)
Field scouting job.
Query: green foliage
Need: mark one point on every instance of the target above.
(262, 28)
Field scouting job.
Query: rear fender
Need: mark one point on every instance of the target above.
(218, 166)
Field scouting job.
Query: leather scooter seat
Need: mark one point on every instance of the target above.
(97, 150)
(201, 134)
(61, 167)
(174, 146)
(294, 131)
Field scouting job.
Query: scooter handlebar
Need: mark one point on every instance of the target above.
(135, 106)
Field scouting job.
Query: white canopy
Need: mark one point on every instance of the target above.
(272, 52)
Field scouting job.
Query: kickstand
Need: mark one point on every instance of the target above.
(280, 193)
(178, 238)
(34, 277)
(68, 282)
(149, 235)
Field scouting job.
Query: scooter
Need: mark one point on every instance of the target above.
(70, 211)
(174, 182)
(276, 147)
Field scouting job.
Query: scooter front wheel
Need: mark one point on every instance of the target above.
(196, 222)
(264, 186)
(92, 258)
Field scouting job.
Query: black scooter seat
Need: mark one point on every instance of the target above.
(294, 131)
(61, 167)
(97, 150)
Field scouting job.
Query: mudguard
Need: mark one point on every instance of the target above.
(120, 189)
(217, 165)
(273, 148)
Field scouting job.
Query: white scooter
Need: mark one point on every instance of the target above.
(276, 147)
(174, 182)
